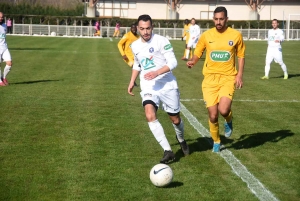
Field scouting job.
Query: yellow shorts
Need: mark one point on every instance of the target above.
(215, 86)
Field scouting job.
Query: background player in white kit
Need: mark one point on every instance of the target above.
(194, 36)
(275, 37)
(154, 60)
(4, 52)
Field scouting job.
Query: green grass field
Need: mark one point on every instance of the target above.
(70, 131)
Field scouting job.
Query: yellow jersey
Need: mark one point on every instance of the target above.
(186, 32)
(125, 42)
(221, 49)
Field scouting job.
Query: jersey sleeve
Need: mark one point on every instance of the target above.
(167, 51)
(136, 65)
(240, 47)
(200, 47)
(281, 36)
(121, 44)
(197, 31)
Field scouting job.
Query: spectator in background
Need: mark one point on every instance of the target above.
(9, 25)
(97, 28)
(117, 30)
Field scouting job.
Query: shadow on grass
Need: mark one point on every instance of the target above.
(174, 184)
(34, 81)
(290, 76)
(201, 144)
(248, 141)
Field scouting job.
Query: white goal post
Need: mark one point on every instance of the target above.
(292, 30)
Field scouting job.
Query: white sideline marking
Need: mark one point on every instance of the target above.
(270, 101)
(255, 186)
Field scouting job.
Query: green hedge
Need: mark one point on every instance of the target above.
(37, 14)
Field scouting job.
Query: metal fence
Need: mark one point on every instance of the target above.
(88, 31)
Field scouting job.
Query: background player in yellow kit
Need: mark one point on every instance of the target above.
(124, 45)
(186, 34)
(222, 45)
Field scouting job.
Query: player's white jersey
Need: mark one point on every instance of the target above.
(151, 56)
(275, 34)
(194, 31)
(3, 30)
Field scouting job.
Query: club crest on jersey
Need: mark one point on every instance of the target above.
(220, 56)
(147, 63)
(230, 43)
(151, 50)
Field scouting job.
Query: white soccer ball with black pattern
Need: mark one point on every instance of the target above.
(161, 175)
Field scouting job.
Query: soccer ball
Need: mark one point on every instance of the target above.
(161, 175)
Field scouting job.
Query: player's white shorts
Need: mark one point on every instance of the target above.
(170, 99)
(274, 53)
(5, 55)
(193, 42)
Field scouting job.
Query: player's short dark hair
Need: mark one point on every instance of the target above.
(134, 24)
(221, 9)
(186, 21)
(144, 18)
(275, 20)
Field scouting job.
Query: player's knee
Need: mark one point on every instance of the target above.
(224, 113)
(175, 118)
(9, 63)
(213, 118)
(150, 110)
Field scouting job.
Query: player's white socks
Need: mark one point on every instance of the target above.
(159, 134)
(284, 69)
(187, 53)
(6, 71)
(179, 129)
(267, 70)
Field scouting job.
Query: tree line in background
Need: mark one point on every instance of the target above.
(70, 12)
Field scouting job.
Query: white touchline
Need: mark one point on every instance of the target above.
(255, 186)
(267, 101)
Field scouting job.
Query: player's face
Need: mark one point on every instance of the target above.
(220, 21)
(274, 24)
(1, 18)
(193, 22)
(133, 29)
(145, 30)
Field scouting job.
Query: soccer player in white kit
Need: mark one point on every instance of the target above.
(154, 61)
(275, 38)
(4, 52)
(194, 37)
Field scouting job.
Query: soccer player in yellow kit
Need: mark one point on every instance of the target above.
(124, 45)
(186, 34)
(222, 45)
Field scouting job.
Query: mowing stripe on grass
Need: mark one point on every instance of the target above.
(255, 186)
(267, 101)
